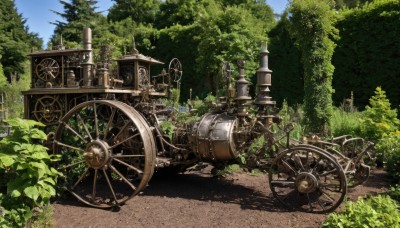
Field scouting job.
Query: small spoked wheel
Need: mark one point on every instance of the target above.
(107, 152)
(308, 179)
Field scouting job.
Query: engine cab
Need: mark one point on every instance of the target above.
(62, 78)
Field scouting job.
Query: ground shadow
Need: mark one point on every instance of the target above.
(203, 188)
(208, 188)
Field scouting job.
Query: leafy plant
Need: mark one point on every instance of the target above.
(200, 107)
(378, 118)
(394, 192)
(168, 128)
(379, 211)
(389, 152)
(27, 180)
(293, 116)
(228, 169)
(256, 145)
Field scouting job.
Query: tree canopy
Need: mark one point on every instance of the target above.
(77, 14)
(15, 39)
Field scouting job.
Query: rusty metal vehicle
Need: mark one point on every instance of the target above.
(107, 127)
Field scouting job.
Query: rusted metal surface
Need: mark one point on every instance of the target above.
(107, 124)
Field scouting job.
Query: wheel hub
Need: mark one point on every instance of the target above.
(97, 154)
(306, 183)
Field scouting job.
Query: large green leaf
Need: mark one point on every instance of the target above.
(6, 160)
(15, 193)
(32, 192)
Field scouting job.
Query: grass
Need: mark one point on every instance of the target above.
(345, 123)
(43, 218)
(228, 169)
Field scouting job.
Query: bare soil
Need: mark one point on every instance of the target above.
(197, 199)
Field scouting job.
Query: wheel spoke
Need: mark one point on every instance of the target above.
(327, 196)
(298, 162)
(122, 129)
(129, 166)
(327, 173)
(109, 123)
(84, 126)
(330, 186)
(94, 184)
(68, 146)
(96, 121)
(88, 138)
(76, 133)
(125, 140)
(81, 178)
(122, 176)
(71, 165)
(317, 164)
(309, 202)
(128, 156)
(321, 204)
(324, 179)
(289, 166)
(110, 186)
(307, 165)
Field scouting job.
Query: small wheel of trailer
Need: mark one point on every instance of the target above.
(362, 155)
(307, 178)
(107, 152)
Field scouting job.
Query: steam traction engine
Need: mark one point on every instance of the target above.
(107, 128)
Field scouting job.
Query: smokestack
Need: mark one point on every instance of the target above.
(242, 91)
(263, 99)
(87, 61)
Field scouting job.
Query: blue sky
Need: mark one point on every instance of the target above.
(39, 15)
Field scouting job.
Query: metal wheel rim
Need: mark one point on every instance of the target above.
(331, 186)
(125, 154)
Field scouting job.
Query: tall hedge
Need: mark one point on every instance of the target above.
(368, 52)
(284, 61)
(312, 27)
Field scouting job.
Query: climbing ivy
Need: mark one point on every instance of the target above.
(312, 26)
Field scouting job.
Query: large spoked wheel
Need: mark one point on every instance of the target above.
(107, 150)
(308, 179)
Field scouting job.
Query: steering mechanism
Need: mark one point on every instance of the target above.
(48, 69)
(175, 70)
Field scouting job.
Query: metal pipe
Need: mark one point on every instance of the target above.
(87, 60)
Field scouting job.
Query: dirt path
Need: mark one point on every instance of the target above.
(196, 199)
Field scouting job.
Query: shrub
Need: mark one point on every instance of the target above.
(27, 181)
(389, 151)
(394, 192)
(379, 211)
(378, 118)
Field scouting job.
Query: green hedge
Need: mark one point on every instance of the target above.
(368, 52)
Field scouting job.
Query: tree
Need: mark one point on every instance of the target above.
(229, 34)
(77, 15)
(3, 79)
(15, 39)
(312, 27)
(350, 3)
(140, 11)
(285, 62)
(182, 12)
